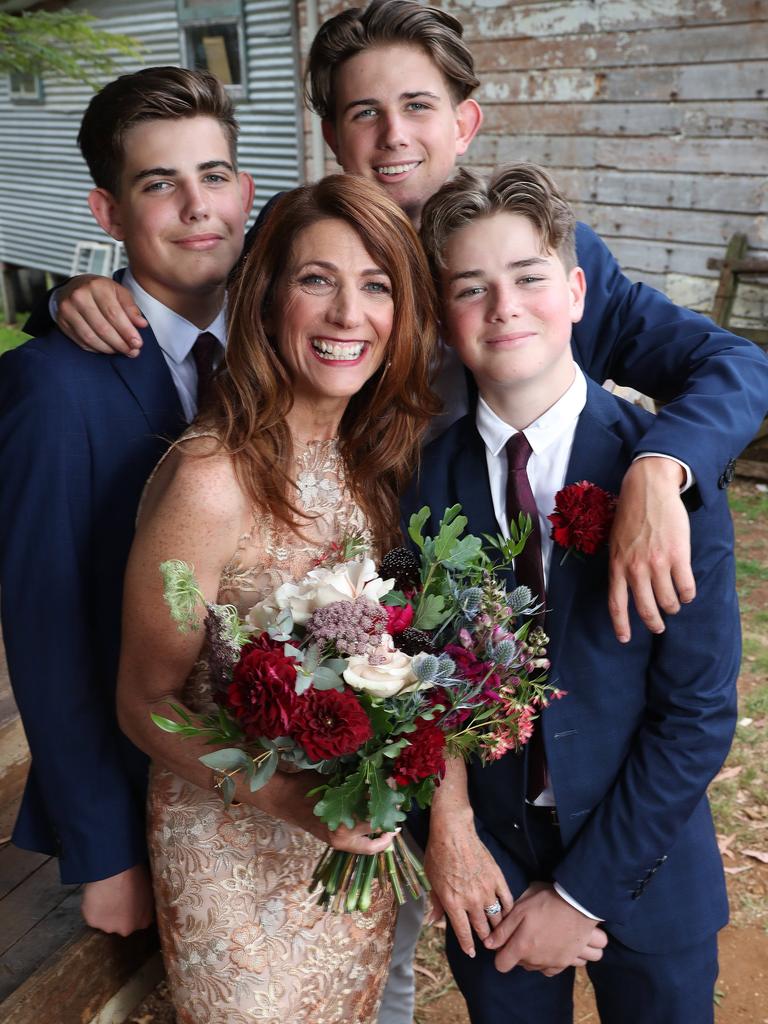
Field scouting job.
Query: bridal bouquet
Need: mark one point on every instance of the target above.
(371, 676)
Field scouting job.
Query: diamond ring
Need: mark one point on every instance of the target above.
(493, 910)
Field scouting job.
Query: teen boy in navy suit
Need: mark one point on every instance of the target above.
(607, 823)
(79, 435)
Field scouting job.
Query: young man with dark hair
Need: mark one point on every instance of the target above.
(603, 817)
(79, 436)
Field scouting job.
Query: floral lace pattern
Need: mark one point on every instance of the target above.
(243, 939)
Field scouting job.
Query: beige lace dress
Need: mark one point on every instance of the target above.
(243, 940)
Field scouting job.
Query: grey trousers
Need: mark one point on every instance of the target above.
(398, 1000)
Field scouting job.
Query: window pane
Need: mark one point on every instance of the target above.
(215, 48)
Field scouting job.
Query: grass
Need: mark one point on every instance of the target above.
(752, 506)
(11, 336)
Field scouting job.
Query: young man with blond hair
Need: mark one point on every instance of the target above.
(603, 817)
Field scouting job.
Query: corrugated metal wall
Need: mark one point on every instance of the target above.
(43, 179)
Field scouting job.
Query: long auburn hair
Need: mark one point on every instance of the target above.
(382, 426)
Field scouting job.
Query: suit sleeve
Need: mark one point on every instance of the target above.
(715, 384)
(39, 322)
(64, 696)
(684, 737)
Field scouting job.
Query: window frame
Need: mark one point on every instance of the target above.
(217, 12)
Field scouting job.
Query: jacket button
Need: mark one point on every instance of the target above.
(726, 477)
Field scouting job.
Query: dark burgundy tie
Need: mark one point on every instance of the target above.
(530, 573)
(204, 352)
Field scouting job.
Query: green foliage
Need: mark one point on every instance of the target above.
(344, 804)
(10, 335)
(182, 593)
(383, 802)
(64, 43)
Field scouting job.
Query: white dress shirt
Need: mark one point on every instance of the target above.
(176, 336)
(551, 440)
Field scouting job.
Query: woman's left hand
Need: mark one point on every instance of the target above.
(466, 880)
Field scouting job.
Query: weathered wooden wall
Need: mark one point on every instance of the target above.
(652, 113)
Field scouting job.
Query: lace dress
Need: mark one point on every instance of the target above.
(243, 940)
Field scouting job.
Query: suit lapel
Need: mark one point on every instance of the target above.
(594, 457)
(149, 380)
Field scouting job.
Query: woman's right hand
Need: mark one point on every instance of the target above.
(291, 802)
(99, 315)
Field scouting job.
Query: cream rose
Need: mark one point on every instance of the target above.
(389, 676)
(299, 597)
(348, 581)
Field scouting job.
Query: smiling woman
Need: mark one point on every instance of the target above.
(312, 429)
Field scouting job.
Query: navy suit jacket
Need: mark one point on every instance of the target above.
(644, 726)
(79, 435)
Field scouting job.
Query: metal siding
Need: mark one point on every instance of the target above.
(43, 209)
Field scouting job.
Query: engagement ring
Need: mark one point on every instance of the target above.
(493, 910)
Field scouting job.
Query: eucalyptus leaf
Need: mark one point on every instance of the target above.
(226, 787)
(312, 657)
(229, 759)
(264, 772)
(303, 682)
(324, 678)
(293, 652)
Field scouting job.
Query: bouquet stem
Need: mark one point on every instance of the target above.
(345, 880)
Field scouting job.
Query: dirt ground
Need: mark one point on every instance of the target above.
(739, 797)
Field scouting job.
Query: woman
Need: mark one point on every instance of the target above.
(313, 428)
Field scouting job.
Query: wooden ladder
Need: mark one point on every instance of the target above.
(736, 265)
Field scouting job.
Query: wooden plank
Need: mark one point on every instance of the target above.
(73, 986)
(44, 940)
(721, 193)
(509, 21)
(675, 225)
(716, 119)
(703, 44)
(745, 80)
(673, 155)
(753, 470)
(30, 901)
(16, 865)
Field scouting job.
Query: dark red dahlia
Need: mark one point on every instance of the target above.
(423, 758)
(329, 723)
(583, 516)
(262, 694)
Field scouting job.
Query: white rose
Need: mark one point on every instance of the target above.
(299, 597)
(347, 582)
(388, 678)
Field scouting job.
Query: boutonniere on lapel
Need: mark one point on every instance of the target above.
(581, 521)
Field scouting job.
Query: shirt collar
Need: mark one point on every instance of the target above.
(174, 334)
(540, 434)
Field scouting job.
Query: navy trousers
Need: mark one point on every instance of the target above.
(630, 987)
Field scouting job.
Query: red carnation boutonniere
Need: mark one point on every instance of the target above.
(582, 518)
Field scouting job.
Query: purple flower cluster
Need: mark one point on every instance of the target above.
(353, 627)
